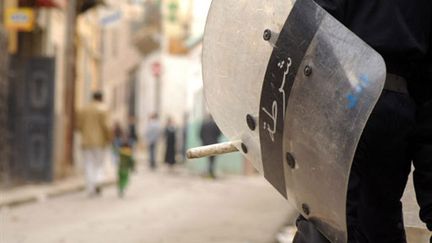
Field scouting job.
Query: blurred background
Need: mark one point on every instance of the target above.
(144, 58)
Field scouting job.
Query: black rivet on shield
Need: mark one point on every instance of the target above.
(251, 122)
(306, 209)
(290, 160)
(244, 148)
(267, 35)
(308, 71)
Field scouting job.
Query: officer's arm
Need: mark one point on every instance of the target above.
(423, 145)
(423, 160)
(423, 183)
(335, 7)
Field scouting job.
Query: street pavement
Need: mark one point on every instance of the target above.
(158, 207)
(165, 207)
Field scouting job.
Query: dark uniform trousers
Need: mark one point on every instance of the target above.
(398, 132)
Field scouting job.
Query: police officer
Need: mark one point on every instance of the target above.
(399, 131)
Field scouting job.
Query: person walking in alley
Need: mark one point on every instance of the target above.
(184, 137)
(170, 143)
(125, 165)
(92, 123)
(118, 134)
(210, 134)
(132, 134)
(152, 136)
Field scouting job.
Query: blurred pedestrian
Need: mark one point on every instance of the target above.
(184, 136)
(210, 134)
(118, 135)
(125, 165)
(117, 140)
(170, 143)
(132, 134)
(92, 123)
(152, 135)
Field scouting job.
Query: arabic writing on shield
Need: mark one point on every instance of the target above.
(271, 125)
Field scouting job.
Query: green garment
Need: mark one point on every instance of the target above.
(125, 165)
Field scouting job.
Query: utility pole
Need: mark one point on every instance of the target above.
(69, 91)
(4, 108)
(2, 9)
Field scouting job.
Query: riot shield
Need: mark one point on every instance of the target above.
(296, 87)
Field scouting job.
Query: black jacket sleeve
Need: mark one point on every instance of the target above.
(335, 7)
(423, 164)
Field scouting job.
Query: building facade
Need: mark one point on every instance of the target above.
(107, 59)
(36, 47)
(180, 80)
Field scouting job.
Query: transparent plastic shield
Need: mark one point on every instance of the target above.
(235, 59)
(309, 90)
(326, 114)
